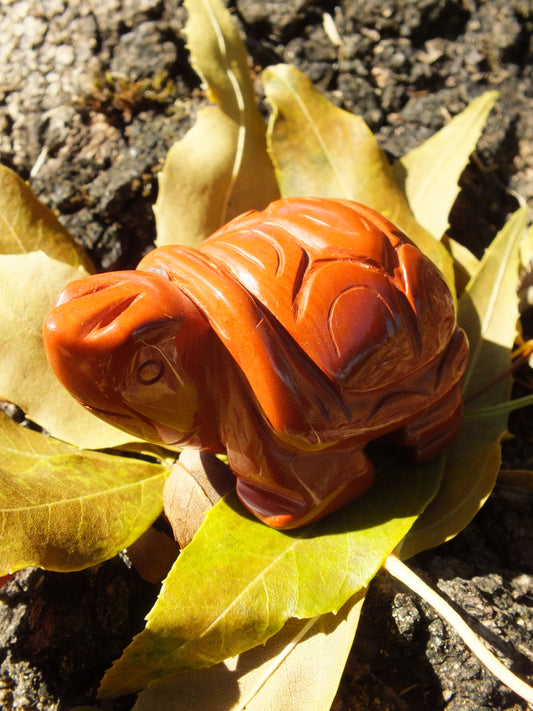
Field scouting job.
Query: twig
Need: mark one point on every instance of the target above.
(400, 571)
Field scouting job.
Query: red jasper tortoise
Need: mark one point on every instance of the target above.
(289, 340)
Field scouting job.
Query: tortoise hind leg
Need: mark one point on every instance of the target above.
(431, 432)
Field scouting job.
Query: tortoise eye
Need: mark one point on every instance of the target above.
(149, 372)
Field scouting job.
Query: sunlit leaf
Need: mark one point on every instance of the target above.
(466, 264)
(65, 509)
(299, 668)
(29, 286)
(488, 311)
(469, 477)
(26, 225)
(322, 151)
(238, 582)
(221, 167)
(526, 249)
(430, 173)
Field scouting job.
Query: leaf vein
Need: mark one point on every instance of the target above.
(239, 98)
(319, 139)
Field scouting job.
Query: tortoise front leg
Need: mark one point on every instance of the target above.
(286, 489)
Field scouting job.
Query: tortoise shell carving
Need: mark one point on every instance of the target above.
(289, 339)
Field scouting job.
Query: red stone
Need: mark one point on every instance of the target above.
(289, 340)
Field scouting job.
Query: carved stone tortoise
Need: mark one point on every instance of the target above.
(289, 339)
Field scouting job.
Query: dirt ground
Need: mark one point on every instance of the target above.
(92, 95)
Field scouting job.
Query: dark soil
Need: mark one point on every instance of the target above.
(92, 95)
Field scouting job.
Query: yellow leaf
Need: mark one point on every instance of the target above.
(322, 151)
(468, 480)
(29, 286)
(526, 250)
(28, 226)
(65, 509)
(488, 312)
(239, 582)
(430, 173)
(221, 167)
(219, 56)
(466, 264)
(281, 674)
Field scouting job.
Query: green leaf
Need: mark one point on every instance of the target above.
(430, 173)
(322, 151)
(280, 675)
(221, 167)
(488, 311)
(28, 226)
(29, 286)
(65, 509)
(469, 477)
(238, 582)
(465, 263)
(526, 248)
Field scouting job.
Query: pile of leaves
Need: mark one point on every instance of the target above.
(245, 609)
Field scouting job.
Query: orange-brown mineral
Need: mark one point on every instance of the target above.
(289, 340)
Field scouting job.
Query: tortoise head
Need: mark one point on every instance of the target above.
(121, 344)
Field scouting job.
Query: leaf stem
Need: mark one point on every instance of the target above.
(240, 104)
(500, 409)
(403, 573)
(520, 356)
